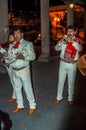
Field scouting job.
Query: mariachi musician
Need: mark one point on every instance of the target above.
(20, 54)
(69, 53)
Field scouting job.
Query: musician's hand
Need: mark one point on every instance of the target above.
(70, 39)
(20, 56)
(65, 37)
(0, 46)
(5, 53)
(2, 59)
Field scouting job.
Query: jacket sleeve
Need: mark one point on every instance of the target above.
(29, 53)
(58, 46)
(77, 46)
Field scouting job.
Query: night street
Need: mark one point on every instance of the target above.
(48, 116)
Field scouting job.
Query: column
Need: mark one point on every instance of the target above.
(3, 26)
(45, 32)
(70, 15)
(3, 20)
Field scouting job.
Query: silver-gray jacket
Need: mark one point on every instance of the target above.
(26, 48)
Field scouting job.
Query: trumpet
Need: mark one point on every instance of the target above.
(67, 38)
(64, 39)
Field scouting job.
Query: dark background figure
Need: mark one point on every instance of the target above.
(5, 122)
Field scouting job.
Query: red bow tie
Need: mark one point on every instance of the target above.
(16, 45)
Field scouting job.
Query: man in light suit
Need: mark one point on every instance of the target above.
(20, 55)
(69, 53)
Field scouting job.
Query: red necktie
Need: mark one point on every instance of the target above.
(16, 45)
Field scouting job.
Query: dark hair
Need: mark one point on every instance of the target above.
(18, 28)
(71, 27)
(10, 34)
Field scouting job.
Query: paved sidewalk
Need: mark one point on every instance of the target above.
(48, 116)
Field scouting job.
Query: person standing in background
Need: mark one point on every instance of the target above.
(8, 67)
(69, 54)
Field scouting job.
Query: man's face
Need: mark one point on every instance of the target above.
(71, 33)
(18, 35)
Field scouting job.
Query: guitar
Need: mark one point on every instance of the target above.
(81, 63)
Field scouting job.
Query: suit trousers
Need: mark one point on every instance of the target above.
(66, 70)
(22, 78)
(10, 73)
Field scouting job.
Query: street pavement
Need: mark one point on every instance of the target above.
(48, 116)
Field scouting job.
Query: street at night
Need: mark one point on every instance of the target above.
(48, 116)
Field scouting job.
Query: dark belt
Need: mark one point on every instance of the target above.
(68, 61)
(17, 69)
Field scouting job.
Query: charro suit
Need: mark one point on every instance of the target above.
(67, 69)
(21, 71)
